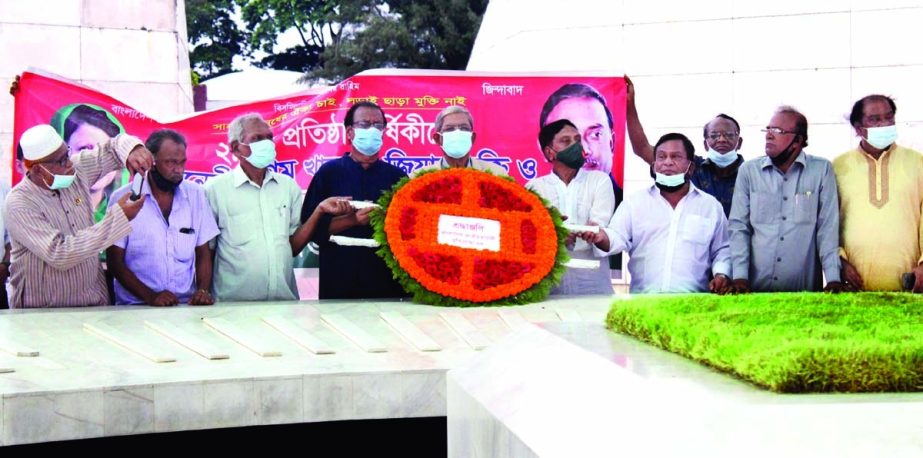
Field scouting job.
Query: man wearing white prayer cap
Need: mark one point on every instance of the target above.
(55, 245)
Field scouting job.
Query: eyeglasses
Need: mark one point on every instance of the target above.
(777, 130)
(367, 124)
(454, 128)
(731, 136)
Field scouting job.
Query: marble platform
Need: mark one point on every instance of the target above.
(95, 374)
(575, 389)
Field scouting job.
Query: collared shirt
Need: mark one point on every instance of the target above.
(880, 202)
(161, 252)
(671, 250)
(473, 163)
(55, 245)
(253, 257)
(587, 198)
(350, 272)
(785, 227)
(706, 177)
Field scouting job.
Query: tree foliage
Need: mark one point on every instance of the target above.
(336, 38)
(214, 35)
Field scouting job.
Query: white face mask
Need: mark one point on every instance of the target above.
(722, 160)
(881, 137)
(671, 181)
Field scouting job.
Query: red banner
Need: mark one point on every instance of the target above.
(308, 129)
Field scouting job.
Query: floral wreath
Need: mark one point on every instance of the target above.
(531, 239)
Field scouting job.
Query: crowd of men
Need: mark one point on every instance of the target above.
(784, 221)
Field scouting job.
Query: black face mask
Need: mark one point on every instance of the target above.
(162, 183)
(782, 157)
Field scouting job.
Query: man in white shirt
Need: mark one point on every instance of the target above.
(583, 196)
(675, 234)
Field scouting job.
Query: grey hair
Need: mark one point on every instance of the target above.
(452, 109)
(236, 127)
(801, 122)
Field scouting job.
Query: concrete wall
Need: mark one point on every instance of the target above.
(133, 50)
(692, 60)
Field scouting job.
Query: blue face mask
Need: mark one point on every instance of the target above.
(262, 153)
(722, 160)
(60, 181)
(881, 137)
(367, 141)
(457, 143)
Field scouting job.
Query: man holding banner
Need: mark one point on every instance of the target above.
(49, 216)
(454, 133)
(348, 272)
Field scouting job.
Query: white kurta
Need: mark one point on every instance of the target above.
(587, 198)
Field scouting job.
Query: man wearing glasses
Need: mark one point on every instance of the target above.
(348, 272)
(881, 193)
(784, 222)
(55, 245)
(454, 133)
(715, 174)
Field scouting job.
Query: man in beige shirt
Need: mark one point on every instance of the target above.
(55, 245)
(454, 132)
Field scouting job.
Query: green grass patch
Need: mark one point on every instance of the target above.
(788, 342)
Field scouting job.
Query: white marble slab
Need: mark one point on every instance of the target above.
(467, 331)
(299, 335)
(186, 339)
(81, 386)
(354, 333)
(128, 342)
(241, 336)
(409, 331)
(574, 389)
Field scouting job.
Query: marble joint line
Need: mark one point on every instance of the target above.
(411, 333)
(236, 334)
(513, 319)
(186, 339)
(121, 339)
(15, 348)
(354, 333)
(300, 335)
(467, 331)
(568, 315)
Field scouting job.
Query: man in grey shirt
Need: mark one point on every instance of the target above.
(784, 222)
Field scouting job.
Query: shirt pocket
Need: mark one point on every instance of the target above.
(765, 207)
(241, 228)
(281, 220)
(696, 230)
(183, 246)
(805, 208)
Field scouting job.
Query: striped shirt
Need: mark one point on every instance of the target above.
(55, 245)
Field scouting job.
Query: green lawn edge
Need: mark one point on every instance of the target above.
(788, 342)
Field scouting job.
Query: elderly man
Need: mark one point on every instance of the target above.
(676, 235)
(55, 245)
(166, 259)
(582, 196)
(257, 214)
(348, 272)
(454, 132)
(881, 193)
(716, 173)
(784, 219)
